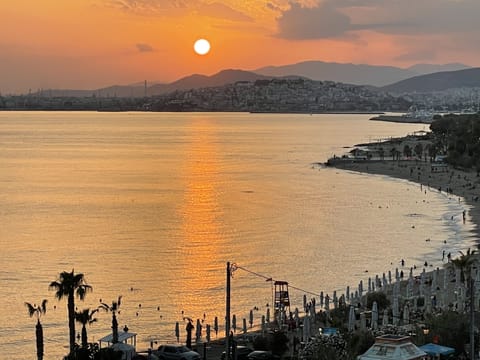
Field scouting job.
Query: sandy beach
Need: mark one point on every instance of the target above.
(457, 183)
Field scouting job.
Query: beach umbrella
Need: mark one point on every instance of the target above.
(374, 316)
(385, 317)
(406, 314)
(397, 275)
(177, 331)
(245, 325)
(304, 302)
(377, 282)
(389, 277)
(360, 289)
(363, 321)
(422, 283)
(395, 310)
(348, 293)
(208, 332)
(410, 287)
(321, 298)
(351, 318)
(335, 299)
(327, 302)
(198, 330)
(263, 324)
(215, 326)
(268, 316)
(369, 285)
(396, 288)
(234, 323)
(251, 318)
(385, 282)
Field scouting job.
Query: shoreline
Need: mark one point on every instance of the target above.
(453, 182)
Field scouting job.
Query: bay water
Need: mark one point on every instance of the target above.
(152, 206)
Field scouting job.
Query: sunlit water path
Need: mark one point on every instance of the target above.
(151, 206)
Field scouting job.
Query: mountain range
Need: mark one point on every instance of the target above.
(389, 78)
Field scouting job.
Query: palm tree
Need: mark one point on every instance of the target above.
(85, 317)
(464, 263)
(38, 310)
(68, 285)
(113, 309)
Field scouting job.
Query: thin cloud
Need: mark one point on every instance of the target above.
(144, 47)
(337, 18)
(222, 11)
(302, 23)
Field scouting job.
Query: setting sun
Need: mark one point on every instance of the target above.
(201, 47)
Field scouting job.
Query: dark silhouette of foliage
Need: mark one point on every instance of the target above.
(38, 310)
(380, 298)
(278, 343)
(114, 308)
(68, 285)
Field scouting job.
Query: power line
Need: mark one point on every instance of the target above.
(268, 278)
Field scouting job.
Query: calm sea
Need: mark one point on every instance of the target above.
(151, 206)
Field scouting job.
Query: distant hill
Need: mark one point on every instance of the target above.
(354, 74)
(196, 81)
(437, 81)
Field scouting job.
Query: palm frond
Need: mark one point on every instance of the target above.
(43, 307)
(31, 309)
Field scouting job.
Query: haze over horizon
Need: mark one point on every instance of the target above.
(86, 44)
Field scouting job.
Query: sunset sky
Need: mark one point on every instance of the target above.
(87, 44)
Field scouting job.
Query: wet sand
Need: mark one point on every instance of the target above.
(460, 183)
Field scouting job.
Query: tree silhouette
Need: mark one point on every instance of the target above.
(38, 310)
(113, 309)
(68, 285)
(85, 317)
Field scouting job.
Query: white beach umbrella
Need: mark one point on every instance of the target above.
(351, 318)
(410, 287)
(177, 331)
(395, 310)
(208, 332)
(374, 315)
(199, 330)
(385, 317)
(421, 288)
(306, 329)
(406, 315)
(363, 321)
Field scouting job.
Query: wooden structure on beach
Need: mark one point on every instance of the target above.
(281, 300)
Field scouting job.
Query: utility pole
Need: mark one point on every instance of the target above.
(227, 315)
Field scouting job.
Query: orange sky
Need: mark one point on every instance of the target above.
(87, 44)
